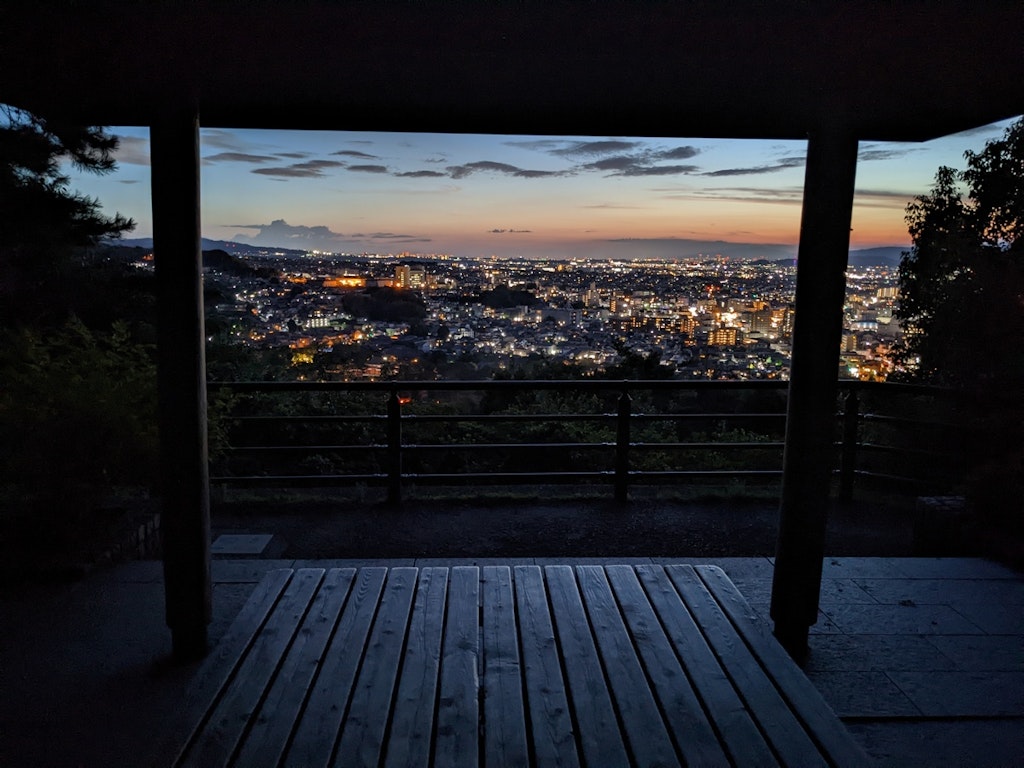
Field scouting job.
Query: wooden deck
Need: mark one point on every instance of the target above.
(612, 665)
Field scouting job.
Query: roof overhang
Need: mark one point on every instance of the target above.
(888, 71)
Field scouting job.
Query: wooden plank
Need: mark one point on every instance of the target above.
(273, 723)
(219, 666)
(412, 723)
(551, 726)
(646, 735)
(230, 718)
(598, 729)
(362, 736)
(458, 710)
(694, 735)
(317, 730)
(778, 723)
(504, 713)
(824, 726)
(726, 710)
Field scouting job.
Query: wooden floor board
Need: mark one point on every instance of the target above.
(503, 665)
(231, 717)
(317, 730)
(458, 715)
(601, 740)
(774, 717)
(732, 720)
(412, 723)
(549, 718)
(648, 739)
(362, 736)
(694, 735)
(505, 744)
(272, 725)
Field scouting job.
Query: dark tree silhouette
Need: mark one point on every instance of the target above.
(43, 223)
(962, 285)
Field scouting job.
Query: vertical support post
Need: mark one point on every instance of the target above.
(394, 448)
(810, 419)
(181, 374)
(622, 448)
(848, 468)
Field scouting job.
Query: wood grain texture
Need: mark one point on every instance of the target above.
(596, 664)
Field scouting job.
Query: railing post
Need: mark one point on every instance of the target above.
(848, 465)
(394, 448)
(622, 448)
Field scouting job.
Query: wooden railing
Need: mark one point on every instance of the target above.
(489, 433)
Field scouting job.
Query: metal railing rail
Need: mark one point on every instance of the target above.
(393, 448)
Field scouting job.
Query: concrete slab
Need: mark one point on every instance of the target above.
(863, 694)
(234, 571)
(241, 544)
(906, 619)
(952, 568)
(943, 744)
(864, 567)
(945, 591)
(878, 653)
(964, 694)
(994, 619)
(824, 625)
(997, 653)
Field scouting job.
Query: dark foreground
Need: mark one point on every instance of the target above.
(318, 528)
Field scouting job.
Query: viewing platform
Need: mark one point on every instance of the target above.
(920, 658)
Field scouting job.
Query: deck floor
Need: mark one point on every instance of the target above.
(597, 665)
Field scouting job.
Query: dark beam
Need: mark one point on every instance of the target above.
(810, 422)
(181, 372)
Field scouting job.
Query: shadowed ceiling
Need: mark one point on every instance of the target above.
(896, 70)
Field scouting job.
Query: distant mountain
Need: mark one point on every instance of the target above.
(877, 257)
(213, 245)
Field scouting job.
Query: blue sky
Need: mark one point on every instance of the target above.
(521, 195)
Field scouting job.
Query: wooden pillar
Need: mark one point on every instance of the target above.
(810, 422)
(181, 373)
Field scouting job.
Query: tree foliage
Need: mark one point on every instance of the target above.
(962, 284)
(43, 222)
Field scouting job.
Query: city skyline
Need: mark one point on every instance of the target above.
(522, 196)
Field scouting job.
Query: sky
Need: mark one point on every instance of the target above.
(527, 196)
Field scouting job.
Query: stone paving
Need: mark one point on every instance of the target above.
(923, 658)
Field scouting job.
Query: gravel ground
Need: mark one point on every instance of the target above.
(539, 527)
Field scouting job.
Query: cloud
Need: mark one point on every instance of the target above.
(627, 165)
(884, 153)
(677, 153)
(293, 155)
(222, 139)
(783, 195)
(489, 166)
(421, 175)
(132, 150)
(782, 165)
(599, 147)
(355, 153)
(128, 181)
(238, 157)
(368, 168)
(279, 232)
(509, 231)
(307, 170)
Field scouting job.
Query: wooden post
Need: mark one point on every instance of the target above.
(810, 421)
(622, 448)
(181, 374)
